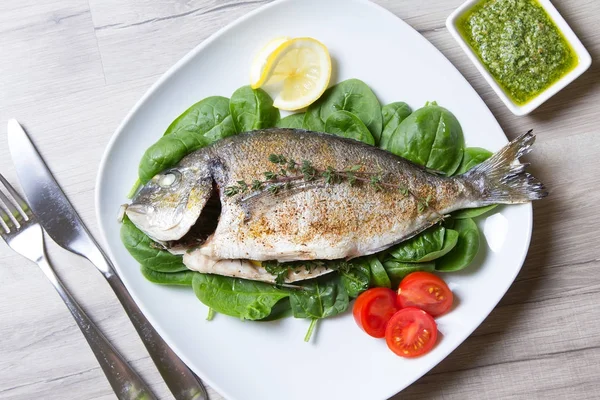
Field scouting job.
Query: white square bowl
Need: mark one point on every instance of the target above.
(584, 58)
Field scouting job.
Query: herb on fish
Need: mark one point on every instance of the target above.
(423, 204)
(232, 190)
(281, 270)
(257, 185)
(270, 176)
(376, 182)
(290, 171)
(277, 159)
(403, 189)
(331, 176)
(350, 174)
(308, 171)
(243, 185)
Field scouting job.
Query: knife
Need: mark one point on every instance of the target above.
(60, 220)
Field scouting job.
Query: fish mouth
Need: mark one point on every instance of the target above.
(145, 215)
(138, 209)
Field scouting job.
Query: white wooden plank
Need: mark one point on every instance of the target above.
(571, 375)
(147, 37)
(48, 49)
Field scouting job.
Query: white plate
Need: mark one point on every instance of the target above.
(269, 360)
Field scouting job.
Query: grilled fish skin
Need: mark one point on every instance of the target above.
(314, 220)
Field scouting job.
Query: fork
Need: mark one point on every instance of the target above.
(21, 231)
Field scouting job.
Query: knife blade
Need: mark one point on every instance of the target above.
(45, 197)
(62, 223)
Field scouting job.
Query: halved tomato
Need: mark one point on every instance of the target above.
(411, 332)
(425, 291)
(373, 309)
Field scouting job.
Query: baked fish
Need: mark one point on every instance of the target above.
(228, 206)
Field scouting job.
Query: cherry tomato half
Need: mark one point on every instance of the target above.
(425, 291)
(373, 309)
(411, 332)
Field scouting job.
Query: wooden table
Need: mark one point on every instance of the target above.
(71, 69)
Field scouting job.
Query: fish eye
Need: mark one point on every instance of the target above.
(169, 178)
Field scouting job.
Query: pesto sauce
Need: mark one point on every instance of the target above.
(519, 45)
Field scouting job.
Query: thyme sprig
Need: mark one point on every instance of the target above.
(289, 171)
(282, 270)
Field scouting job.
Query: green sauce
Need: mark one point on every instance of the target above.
(519, 45)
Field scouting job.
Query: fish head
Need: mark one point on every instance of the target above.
(168, 205)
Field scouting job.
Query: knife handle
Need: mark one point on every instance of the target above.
(182, 382)
(125, 382)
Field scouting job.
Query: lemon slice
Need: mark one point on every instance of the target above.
(257, 76)
(296, 73)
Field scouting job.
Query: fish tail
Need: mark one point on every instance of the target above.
(499, 180)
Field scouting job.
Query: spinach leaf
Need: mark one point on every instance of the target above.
(311, 328)
(397, 270)
(143, 249)
(236, 297)
(183, 278)
(466, 249)
(281, 309)
(293, 121)
(379, 276)
(348, 125)
(252, 109)
(357, 279)
(200, 125)
(450, 240)
(320, 298)
(430, 136)
(473, 212)
(280, 270)
(167, 152)
(202, 116)
(393, 114)
(350, 95)
(473, 156)
(418, 248)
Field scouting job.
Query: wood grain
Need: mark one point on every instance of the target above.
(71, 69)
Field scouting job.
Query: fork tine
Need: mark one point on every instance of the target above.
(20, 204)
(5, 220)
(13, 214)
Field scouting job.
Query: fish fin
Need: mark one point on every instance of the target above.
(246, 269)
(435, 171)
(408, 236)
(500, 180)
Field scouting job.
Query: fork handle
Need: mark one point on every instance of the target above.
(182, 382)
(125, 382)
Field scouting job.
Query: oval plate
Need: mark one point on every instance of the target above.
(270, 360)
